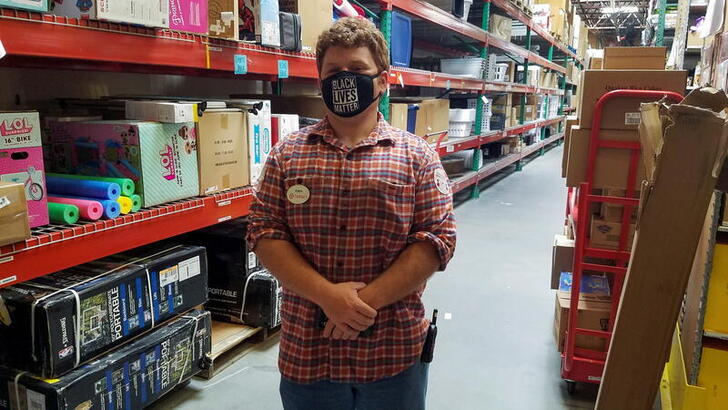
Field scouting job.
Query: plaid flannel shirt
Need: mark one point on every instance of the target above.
(366, 205)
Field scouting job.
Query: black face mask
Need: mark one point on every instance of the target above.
(348, 94)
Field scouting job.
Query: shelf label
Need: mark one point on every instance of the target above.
(447, 84)
(224, 218)
(224, 203)
(241, 64)
(450, 148)
(9, 279)
(400, 79)
(6, 259)
(282, 69)
(2, 50)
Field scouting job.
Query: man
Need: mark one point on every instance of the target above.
(353, 216)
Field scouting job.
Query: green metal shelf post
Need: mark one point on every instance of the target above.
(386, 27)
(660, 32)
(475, 192)
(484, 24)
(522, 119)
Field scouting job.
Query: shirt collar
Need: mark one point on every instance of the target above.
(382, 134)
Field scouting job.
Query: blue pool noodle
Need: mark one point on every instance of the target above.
(83, 188)
(112, 209)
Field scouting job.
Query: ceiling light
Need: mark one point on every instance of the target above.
(623, 9)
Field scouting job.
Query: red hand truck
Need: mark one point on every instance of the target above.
(587, 365)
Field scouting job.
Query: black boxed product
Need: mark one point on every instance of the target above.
(131, 377)
(61, 320)
(229, 262)
(261, 303)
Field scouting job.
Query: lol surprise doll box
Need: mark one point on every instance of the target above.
(21, 161)
(160, 157)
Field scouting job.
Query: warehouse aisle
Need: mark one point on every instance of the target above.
(496, 351)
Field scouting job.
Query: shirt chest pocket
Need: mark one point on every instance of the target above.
(391, 203)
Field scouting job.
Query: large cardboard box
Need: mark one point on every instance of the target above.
(283, 125)
(21, 160)
(223, 18)
(500, 26)
(151, 13)
(570, 122)
(259, 22)
(594, 286)
(613, 212)
(634, 58)
(132, 377)
(562, 258)
(162, 111)
(433, 118)
(161, 158)
(605, 234)
(112, 299)
(189, 15)
(316, 16)
(623, 113)
(13, 213)
(611, 169)
(222, 150)
(259, 138)
(595, 63)
(592, 315)
(398, 114)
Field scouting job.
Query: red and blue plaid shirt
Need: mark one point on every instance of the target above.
(366, 205)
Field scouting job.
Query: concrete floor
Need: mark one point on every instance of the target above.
(497, 350)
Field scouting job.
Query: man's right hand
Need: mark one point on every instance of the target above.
(343, 307)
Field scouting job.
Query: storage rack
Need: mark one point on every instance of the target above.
(42, 40)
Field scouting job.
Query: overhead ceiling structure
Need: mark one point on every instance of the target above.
(612, 15)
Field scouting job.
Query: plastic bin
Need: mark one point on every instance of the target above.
(401, 49)
(468, 67)
(412, 117)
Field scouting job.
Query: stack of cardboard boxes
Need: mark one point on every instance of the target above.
(636, 68)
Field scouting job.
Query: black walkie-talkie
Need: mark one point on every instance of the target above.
(429, 349)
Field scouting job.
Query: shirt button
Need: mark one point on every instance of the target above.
(345, 191)
(340, 264)
(342, 228)
(350, 156)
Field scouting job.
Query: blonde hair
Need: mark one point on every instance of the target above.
(352, 32)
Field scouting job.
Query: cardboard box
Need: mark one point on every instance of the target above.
(605, 234)
(398, 114)
(613, 212)
(283, 125)
(570, 122)
(634, 58)
(594, 286)
(259, 138)
(161, 158)
(623, 113)
(151, 13)
(189, 15)
(21, 160)
(562, 258)
(500, 26)
(119, 297)
(592, 315)
(162, 111)
(263, 296)
(433, 118)
(595, 63)
(32, 5)
(131, 377)
(13, 213)
(223, 16)
(222, 151)
(316, 16)
(259, 22)
(612, 165)
(311, 106)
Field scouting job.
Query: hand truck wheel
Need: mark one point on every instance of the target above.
(570, 387)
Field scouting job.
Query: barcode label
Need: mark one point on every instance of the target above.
(252, 260)
(189, 268)
(36, 401)
(631, 118)
(168, 276)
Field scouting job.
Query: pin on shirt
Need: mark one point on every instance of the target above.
(442, 182)
(298, 194)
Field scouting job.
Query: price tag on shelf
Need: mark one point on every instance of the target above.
(241, 64)
(484, 98)
(447, 84)
(2, 50)
(282, 69)
(400, 79)
(450, 148)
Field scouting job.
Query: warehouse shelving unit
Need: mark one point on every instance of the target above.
(34, 40)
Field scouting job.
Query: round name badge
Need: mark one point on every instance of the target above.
(442, 182)
(298, 194)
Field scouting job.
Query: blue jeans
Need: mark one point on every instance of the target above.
(405, 391)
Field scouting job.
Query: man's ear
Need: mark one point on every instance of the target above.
(383, 80)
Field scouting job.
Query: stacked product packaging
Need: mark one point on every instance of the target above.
(118, 332)
(241, 290)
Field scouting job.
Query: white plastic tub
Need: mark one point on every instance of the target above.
(469, 67)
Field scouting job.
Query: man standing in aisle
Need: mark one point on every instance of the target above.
(353, 216)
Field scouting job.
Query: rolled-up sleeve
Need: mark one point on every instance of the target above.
(267, 217)
(434, 221)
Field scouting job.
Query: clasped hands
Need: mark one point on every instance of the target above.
(347, 310)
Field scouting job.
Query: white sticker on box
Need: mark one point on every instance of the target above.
(35, 400)
(252, 260)
(4, 201)
(168, 276)
(189, 268)
(631, 118)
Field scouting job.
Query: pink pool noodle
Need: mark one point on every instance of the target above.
(88, 210)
